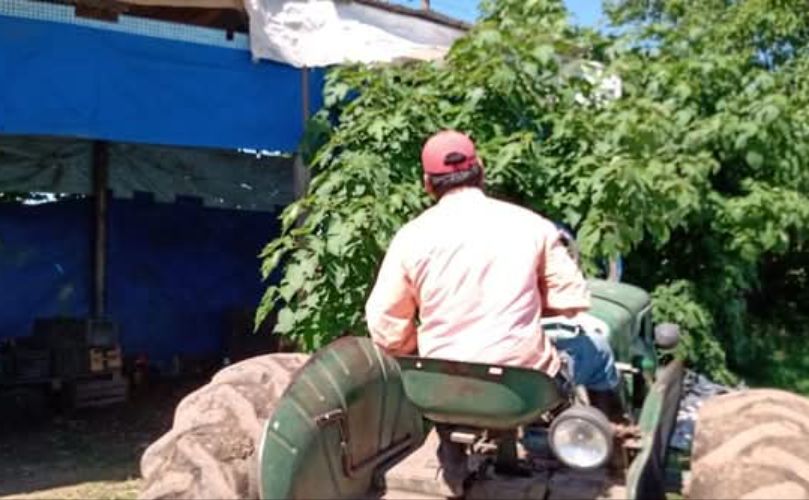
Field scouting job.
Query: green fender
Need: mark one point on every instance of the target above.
(343, 421)
(646, 475)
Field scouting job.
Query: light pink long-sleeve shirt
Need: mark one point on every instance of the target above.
(478, 273)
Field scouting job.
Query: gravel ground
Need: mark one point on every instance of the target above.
(89, 454)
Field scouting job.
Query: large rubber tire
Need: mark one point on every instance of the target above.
(751, 444)
(211, 449)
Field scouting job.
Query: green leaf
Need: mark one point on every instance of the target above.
(544, 54)
(377, 130)
(754, 159)
(285, 322)
(295, 275)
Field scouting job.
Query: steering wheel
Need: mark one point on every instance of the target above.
(615, 267)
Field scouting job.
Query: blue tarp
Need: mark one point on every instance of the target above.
(63, 79)
(45, 263)
(174, 270)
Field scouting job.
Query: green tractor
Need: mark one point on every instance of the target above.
(352, 422)
(355, 422)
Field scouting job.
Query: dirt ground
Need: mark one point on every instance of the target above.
(89, 454)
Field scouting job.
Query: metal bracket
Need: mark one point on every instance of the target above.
(384, 456)
(468, 438)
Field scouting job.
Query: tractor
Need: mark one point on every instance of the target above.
(355, 422)
(352, 422)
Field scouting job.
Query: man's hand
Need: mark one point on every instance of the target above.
(561, 283)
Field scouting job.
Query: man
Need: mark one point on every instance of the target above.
(480, 273)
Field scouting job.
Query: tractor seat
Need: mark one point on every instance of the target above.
(477, 395)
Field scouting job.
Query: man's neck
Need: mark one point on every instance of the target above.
(462, 192)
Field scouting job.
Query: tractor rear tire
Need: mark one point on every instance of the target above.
(751, 444)
(211, 449)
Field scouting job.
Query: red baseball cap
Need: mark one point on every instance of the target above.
(448, 151)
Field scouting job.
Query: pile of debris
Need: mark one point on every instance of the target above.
(696, 390)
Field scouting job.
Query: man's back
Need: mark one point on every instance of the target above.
(475, 267)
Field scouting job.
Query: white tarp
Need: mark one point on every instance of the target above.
(316, 33)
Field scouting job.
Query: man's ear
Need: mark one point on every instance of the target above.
(428, 186)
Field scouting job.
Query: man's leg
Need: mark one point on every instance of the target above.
(453, 460)
(594, 368)
(593, 360)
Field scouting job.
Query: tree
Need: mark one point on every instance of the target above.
(731, 74)
(695, 173)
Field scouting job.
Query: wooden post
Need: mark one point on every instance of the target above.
(300, 174)
(425, 4)
(100, 182)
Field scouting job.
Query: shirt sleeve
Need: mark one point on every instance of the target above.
(562, 285)
(391, 308)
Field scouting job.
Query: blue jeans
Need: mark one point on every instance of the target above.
(591, 358)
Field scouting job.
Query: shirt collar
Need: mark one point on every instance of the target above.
(460, 194)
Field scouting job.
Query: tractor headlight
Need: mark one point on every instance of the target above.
(667, 335)
(581, 437)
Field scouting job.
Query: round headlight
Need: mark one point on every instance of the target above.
(667, 335)
(581, 437)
